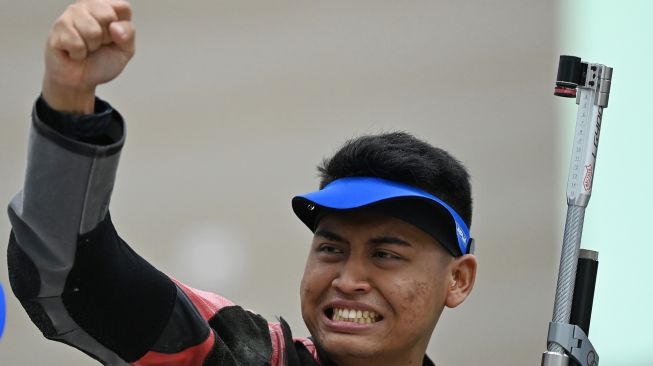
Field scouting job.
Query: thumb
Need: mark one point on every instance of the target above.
(123, 35)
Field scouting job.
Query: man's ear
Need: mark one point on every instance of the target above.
(463, 274)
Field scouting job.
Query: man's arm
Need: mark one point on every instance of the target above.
(78, 281)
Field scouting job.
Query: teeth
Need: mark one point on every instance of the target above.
(354, 316)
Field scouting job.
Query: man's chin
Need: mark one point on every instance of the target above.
(342, 345)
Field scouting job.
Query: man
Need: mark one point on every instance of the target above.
(391, 244)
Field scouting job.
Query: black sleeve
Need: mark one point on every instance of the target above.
(95, 129)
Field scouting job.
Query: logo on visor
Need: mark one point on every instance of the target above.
(461, 234)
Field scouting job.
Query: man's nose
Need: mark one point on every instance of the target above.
(353, 277)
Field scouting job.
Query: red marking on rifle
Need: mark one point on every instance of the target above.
(587, 181)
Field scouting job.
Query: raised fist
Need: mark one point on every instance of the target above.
(89, 44)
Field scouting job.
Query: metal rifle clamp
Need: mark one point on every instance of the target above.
(567, 340)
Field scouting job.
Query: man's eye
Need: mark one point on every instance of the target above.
(385, 255)
(329, 249)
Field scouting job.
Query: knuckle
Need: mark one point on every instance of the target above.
(122, 9)
(101, 12)
(127, 7)
(124, 4)
(107, 17)
(77, 45)
(60, 22)
(94, 33)
(71, 41)
(105, 14)
(73, 9)
(54, 41)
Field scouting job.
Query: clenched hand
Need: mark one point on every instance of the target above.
(89, 44)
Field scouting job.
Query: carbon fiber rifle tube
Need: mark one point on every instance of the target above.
(567, 271)
(581, 306)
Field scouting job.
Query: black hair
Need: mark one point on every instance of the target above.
(401, 157)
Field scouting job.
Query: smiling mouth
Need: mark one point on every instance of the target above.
(353, 315)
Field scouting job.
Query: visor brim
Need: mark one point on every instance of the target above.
(405, 202)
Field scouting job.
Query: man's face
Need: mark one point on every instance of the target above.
(373, 287)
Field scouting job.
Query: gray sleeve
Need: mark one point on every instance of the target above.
(66, 193)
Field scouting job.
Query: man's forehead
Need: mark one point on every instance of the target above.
(371, 239)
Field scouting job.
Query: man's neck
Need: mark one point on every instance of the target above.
(417, 357)
(415, 360)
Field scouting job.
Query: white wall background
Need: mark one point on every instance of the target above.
(230, 105)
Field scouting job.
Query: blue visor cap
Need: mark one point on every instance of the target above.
(405, 202)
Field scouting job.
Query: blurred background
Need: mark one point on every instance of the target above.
(231, 105)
